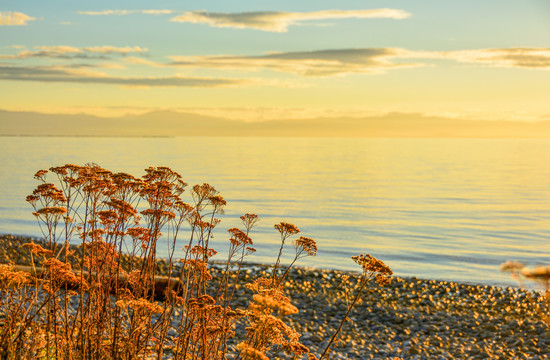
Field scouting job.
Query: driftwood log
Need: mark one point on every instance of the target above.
(163, 284)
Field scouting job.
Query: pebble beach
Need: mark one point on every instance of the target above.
(410, 318)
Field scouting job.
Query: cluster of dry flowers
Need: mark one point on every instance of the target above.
(105, 308)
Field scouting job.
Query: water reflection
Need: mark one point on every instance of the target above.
(434, 208)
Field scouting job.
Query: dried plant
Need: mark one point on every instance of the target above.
(372, 269)
(108, 301)
(541, 277)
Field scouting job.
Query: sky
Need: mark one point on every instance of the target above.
(269, 60)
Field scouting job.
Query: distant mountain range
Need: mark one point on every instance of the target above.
(170, 123)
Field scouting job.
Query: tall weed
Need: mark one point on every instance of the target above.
(113, 303)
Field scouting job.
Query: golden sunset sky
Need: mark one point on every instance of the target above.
(283, 60)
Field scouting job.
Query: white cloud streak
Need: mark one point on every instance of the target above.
(128, 12)
(71, 52)
(116, 50)
(308, 63)
(320, 63)
(526, 58)
(12, 18)
(67, 75)
(276, 21)
(363, 61)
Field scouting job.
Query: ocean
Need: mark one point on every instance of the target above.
(445, 209)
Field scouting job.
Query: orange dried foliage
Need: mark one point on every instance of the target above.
(119, 314)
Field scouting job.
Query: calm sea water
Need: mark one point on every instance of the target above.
(451, 209)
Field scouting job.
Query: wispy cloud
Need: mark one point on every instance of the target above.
(362, 61)
(128, 12)
(11, 18)
(527, 58)
(277, 21)
(274, 21)
(69, 75)
(71, 52)
(319, 63)
(306, 63)
(116, 50)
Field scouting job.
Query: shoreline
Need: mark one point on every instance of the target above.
(410, 318)
(21, 239)
(22, 259)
